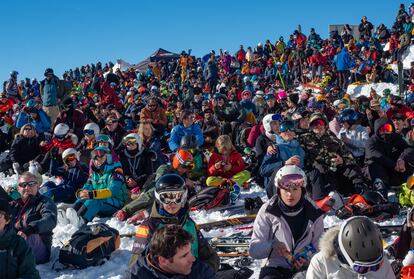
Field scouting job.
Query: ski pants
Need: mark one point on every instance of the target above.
(389, 176)
(91, 208)
(39, 249)
(240, 178)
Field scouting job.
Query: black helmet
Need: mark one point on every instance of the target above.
(373, 197)
(188, 142)
(170, 188)
(360, 241)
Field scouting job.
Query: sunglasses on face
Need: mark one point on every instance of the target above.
(27, 184)
(152, 105)
(28, 129)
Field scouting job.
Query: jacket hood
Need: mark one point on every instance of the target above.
(326, 245)
(379, 123)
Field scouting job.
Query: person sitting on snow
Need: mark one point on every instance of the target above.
(103, 194)
(74, 177)
(87, 144)
(171, 207)
(287, 228)
(34, 216)
(226, 164)
(186, 127)
(17, 258)
(182, 164)
(53, 149)
(286, 151)
(24, 148)
(353, 250)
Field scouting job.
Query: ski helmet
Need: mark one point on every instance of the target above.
(69, 152)
(290, 175)
(48, 71)
(361, 244)
(373, 197)
(183, 158)
(170, 188)
(259, 93)
(188, 142)
(91, 129)
(14, 73)
(105, 138)
(318, 116)
(269, 118)
(410, 182)
(134, 138)
(61, 130)
(349, 116)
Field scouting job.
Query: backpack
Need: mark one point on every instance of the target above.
(90, 246)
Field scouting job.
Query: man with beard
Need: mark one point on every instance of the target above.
(155, 115)
(388, 157)
(210, 127)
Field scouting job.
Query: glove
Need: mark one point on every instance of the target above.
(121, 215)
(16, 168)
(137, 218)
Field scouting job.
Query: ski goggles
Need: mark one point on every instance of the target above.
(129, 141)
(187, 165)
(88, 132)
(385, 129)
(103, 138)
(287, 126)
(277, 117)
(291, 181)
(363, 268)
(27, 184)
(60, 137)
(177, 197)
(70, 158)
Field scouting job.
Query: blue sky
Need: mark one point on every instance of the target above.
(65, 34)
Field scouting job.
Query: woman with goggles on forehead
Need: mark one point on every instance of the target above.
(353, 250)
(287, 227)
(88, 142)
(171, 207)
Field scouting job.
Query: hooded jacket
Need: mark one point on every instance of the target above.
(234, 158)
(16, 258)
(270, 226)
(385, 152)
(180, 131)
(325, 264)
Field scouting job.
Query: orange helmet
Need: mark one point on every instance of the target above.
(183, 158)
(410, 182)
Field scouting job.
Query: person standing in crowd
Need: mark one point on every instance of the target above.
(49, 90)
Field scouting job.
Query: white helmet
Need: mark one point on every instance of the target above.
(290, 174)
(92, 126)
(259, 93)
(269, 118)
(246, 79)
(61, 130)
(70, 151)
(259, 44)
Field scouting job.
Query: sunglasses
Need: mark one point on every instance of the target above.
(152, 105)
(70, 158)
(176, 197)
(318, 122)
(25, 184)
(28, 129)
(287, 126)
(386, 129)
(291, 181)
(88, 132)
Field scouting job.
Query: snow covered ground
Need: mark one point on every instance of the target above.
(363, 89)
(117, 265)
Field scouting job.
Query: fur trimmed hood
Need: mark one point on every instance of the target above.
(326, 245)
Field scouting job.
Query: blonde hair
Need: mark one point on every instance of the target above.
(30, 125)
(36, 177)
(141, 129)
(224, 141)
